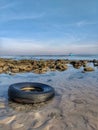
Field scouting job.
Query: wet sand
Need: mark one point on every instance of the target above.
(74, 107)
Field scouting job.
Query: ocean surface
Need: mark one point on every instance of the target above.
(69, 57)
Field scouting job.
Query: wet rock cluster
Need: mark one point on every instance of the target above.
(78, 64)
(95, 62)
(40, 66)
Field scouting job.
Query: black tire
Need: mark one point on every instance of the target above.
(41, 93)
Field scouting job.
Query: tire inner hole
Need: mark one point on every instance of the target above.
(31, 88)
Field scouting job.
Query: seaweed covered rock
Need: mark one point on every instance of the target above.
(2, 63)
(84, 63)
(41, 70)
(41, 66)
(1, 70)
(61, 67)
(76, 64)
(88, 69)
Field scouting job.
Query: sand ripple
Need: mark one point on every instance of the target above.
(74, 107)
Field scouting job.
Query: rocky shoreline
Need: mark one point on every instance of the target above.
(10, 66)
(74, 106)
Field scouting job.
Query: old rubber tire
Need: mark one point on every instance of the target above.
(16, 93)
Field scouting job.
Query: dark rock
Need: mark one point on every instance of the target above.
(41, 70)
(95, 64)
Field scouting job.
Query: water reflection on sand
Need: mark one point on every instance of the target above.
(74, 107)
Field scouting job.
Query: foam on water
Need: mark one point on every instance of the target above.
(70, 57)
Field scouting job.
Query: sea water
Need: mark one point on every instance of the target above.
(37, 57)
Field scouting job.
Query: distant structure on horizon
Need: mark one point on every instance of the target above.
(71, 54)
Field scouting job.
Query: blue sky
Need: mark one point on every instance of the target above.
(48, 27)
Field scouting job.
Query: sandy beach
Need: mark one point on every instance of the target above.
(74, 107)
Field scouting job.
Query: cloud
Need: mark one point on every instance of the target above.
(20, 46)
(1, 45)
(15, 16)
(83, 23)
(31, 47)
(6, 5)
(14, 11)
(16, 44)
(83, 49)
